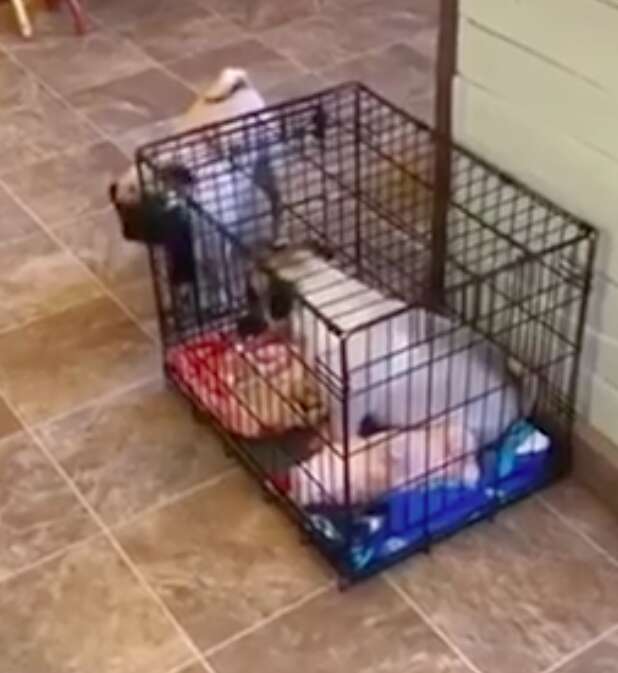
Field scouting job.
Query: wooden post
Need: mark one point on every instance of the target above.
(446, 70)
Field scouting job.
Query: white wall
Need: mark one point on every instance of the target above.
(537, 93)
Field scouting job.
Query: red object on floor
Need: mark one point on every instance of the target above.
(77, 12)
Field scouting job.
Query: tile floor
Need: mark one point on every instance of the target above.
(128, 542)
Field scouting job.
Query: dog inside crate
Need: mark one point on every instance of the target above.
(409, 419)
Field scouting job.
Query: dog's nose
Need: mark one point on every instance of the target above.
(113, 191)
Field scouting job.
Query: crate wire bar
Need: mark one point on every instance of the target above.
(355, 191)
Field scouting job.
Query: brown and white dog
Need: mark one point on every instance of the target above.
(230, 95)
(230, 184)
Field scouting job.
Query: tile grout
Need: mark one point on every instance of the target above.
(107, 291)
(277, 614)
(54, 93)
(28, 567)
(574, 528)
(206, 484)
(50, 230)
(24, 324)
(114, 543)
(189, 662)
(438, 631)
(555, 668)
(103, 399)
(567, 523)
(244, 34)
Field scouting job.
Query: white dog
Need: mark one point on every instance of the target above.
(399, 368)
(228, 175)
(231, 94)
(384, 462)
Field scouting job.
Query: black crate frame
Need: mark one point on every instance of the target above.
(502, 248)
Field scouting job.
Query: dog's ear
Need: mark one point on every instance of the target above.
(178, 176)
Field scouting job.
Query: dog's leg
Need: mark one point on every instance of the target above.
(228, 292)
(264, 177)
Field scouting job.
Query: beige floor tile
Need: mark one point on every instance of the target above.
(181, 30)
(135, 138)
(71, 185)
(57, 363)
(138, 297)
(17, 85)
(602, 658)
(222, 559)
(39, 514)
(266, 67)
(586, 513)
(149, 433)
(318, 42)
(518, 594)
(96, 58)
(134, 101)
(84, 612)
(34, 125)
(364, 630)
(400, 73)
(39, 278)
(116, 13)
(16, 222)
(122, 265)
(303, 85)
(368, 26)
(193, 668)
(260, 14)
(9, 424)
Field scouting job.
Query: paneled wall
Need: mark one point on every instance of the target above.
(537, 93)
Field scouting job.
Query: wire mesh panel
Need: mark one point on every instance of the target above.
(292, 269)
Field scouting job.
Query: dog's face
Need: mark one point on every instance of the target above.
(270, 302)
(133, 211)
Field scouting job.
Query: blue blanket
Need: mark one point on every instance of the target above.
(410, 517)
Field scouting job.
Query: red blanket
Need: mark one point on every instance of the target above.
(253, 388)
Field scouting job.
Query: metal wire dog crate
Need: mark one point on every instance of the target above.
(434, 404)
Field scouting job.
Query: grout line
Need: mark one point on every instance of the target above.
(580, 650)
(371, 52)
(189, 662)
(49, 557)
(114, 543)
(107, 291)
(174, 499)
(307, 598)
(430, 623)
(54, 93)
(49, 230)
(24, 324)
(181, 667)
(567, 523)
(243, 35)
(104, 399)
